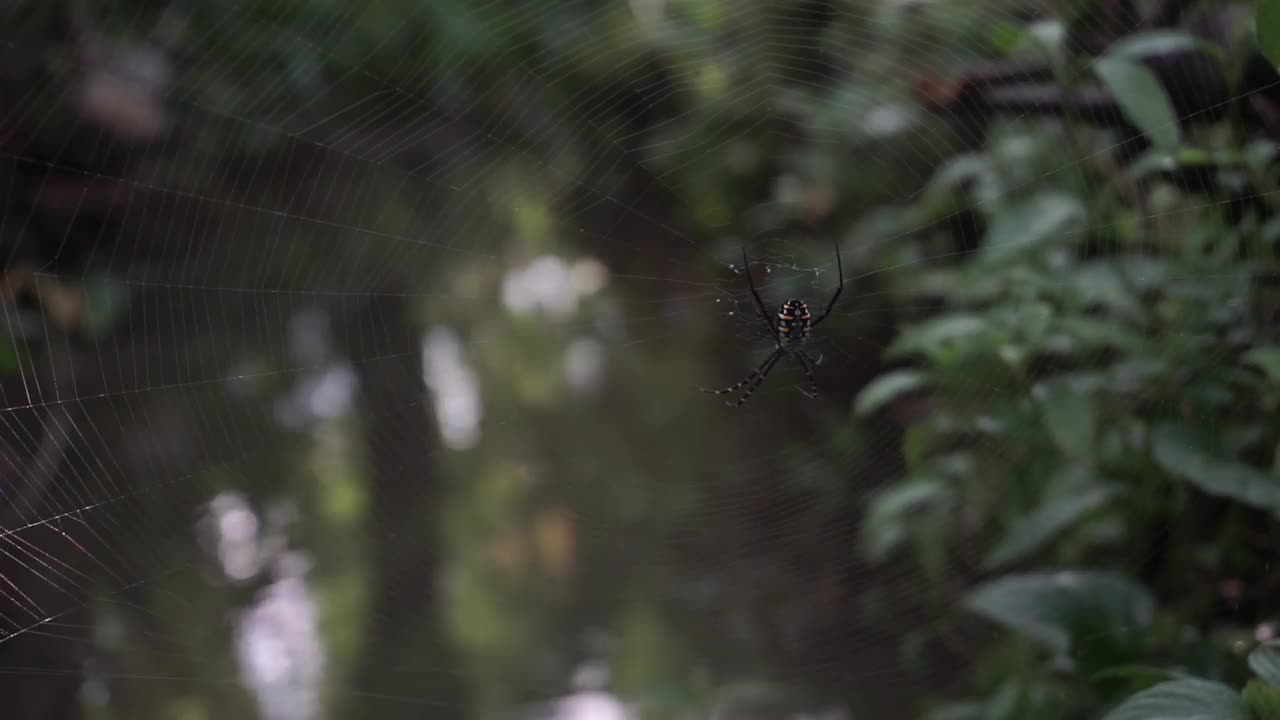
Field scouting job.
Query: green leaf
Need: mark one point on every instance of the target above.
(1065, 609)
(1267, 359)
(1161, 42)
(886, 525)
(916, 444)
(1175, 449)
(1068, 416)
(934, 336)
(1005, 37)
(1026, 320)
(1102, 284)
(1141, 98)
(1138, 672)
(1263, 700)
(1264, 661)
(1028, 224)
(1189, 157)
(1267, 22)
(1186, 699)
(887, 387)
(1036, 530)
(1091, 334)
(1004, 703)
(957, 172)
(9, 359)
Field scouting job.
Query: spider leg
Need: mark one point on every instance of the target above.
(764, 314)
(763, 367)
(773, 360)
(839, 289)
(804, 360)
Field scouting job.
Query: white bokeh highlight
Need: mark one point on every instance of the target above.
(455, 387)
(552, 286)
(584, 363)
(233, 530)
(278, 644)
(590, 700)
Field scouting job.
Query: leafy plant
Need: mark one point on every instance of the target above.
(1105, 367)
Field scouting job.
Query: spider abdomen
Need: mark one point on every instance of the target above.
(789, 333)
(793, 321)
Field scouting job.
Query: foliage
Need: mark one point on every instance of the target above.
(1111, 381)
(1268, 29)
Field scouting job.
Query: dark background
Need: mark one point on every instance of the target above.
(351, 357)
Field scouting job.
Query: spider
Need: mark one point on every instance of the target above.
(790, 333)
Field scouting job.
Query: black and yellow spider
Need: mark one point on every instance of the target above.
(790, 333)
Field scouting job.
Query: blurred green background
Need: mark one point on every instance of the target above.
(352, 357)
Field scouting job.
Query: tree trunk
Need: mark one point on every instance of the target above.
(406, 622)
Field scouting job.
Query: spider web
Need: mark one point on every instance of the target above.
(361, 296)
